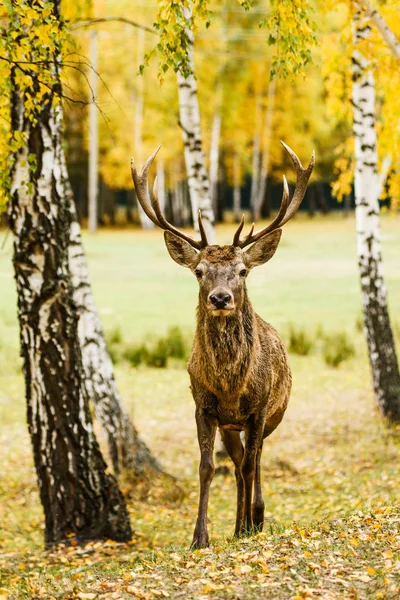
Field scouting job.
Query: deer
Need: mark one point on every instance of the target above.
(239, 371)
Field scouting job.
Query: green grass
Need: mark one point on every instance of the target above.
(330, 472)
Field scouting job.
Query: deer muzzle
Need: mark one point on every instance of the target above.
(221, 301)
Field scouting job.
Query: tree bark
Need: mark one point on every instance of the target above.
(368, 185)
(161, 183)
(93, 175)
(267, 134)
(127, 451)
(77, 494)
(255, 179)
(199, 183)
(139, 109)
(383, 28)
(236, 188)
(214, 158)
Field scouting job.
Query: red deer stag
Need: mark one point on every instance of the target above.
(239, 371)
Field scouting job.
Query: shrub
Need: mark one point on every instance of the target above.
(135, 355)
(157, 352)
(114, 336)
(337, 348)
(360, 323)
(176, 343)
(114, 343)
(157, 356)
(299, 341)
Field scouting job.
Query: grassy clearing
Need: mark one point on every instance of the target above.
(331, 470)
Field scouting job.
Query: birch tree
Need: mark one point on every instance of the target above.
(79, 498)
(383, 28)
(266, 148)
(368, 186)
(127, 450)
(189, 113)
(256, 156)
(139, 109)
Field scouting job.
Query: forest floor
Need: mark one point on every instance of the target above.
(331, 471)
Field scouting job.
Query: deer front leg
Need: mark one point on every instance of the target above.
(254, 439)
(206, 430)
(234, 447)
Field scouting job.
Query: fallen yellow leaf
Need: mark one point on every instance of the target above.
(135, 592)
(353, 541)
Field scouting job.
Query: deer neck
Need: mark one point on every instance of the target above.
(226, 346)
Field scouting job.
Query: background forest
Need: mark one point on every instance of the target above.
(243, 112)
(99, 494)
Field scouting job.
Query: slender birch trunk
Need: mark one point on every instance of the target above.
(127, 451)
(93, 175)
(199, 183)
(368, 183)
(77, 494)
(236, 188)
(383, 28)
(255, 179)
(161, 183)
(138, 132)
(214, 159)
(266, 153)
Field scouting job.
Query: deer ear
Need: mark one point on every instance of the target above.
(262, 250)
(180, 250)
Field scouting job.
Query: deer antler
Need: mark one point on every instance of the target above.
(151, 206)
(288, 207)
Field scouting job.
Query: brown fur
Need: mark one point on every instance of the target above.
(215, 254)
(240, 380)
(238, 368)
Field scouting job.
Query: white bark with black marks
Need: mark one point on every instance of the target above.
(77, 494)
(214, 158)
(198, 180)
(255, 176)
(267, 135)
(127, 451)
(139, 110)
(368, 185)
(237, 191)
(383, 28)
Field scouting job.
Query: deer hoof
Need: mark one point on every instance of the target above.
(258, 516)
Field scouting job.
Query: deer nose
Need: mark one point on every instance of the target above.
(220, 299)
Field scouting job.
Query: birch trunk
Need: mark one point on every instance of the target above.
(236, 188)
(199, 183)
(267, 135)
(161, 183)
(367, 184)
(256, 158)
(138, 133)
(127, 451)
(93, 175)
(383, 28)
(214, 159)
(77, 494)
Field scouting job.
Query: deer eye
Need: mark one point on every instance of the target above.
(198, 273)
(243, 273)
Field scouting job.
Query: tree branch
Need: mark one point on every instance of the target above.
(385, 31)
(91, 22)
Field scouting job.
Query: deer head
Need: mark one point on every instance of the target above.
(222, 270)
